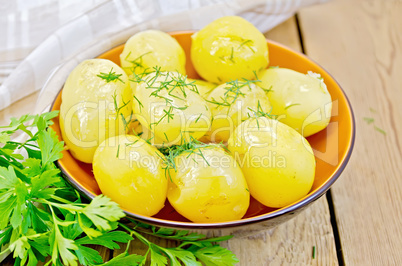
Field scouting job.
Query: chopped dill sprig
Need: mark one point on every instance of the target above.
(166, 86)
(132, 143)
(111, 76)
(369, 120)
(232, 56)
(198, 118)
(125, 122)
(118, 151)
(190, 147)
(267, 90)
(234, 90)
(139, 103)
(291, 105)
(380, 130)
(260, 113)
(249, 44)
(118, 108)
(137, 62)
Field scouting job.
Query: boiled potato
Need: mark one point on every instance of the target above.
(95, 97)
(227, 49)
(152, 48)
(170, 108)
(277, 162)
(208, 186)
(129, 171)
(203, 87)
(230, 104)
(300, 101)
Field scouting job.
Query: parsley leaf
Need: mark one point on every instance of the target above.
(216, 255)
(43, 216)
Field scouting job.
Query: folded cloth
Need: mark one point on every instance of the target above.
(106, 25)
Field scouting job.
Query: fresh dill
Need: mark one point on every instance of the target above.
(247, 43)
(137, 62)
(139, 103)
(118, 108)
(190, 147)
(111, 76)
(234, 90)
(267, 90)
(198, 118)
(166, 86)
(132, 143)
(369, 120)
(118, 151)
(380, 130)
(167, 139)
(291, 105)
(260, 113)
(232, 56)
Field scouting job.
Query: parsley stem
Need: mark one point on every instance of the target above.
(5, 251)
(60, 199)
(137, 235)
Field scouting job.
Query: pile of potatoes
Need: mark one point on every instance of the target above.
(206, 145)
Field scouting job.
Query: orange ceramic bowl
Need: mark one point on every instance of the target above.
(332, 149)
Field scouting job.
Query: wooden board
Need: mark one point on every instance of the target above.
(360, 43)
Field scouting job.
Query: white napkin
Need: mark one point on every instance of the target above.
(100, 28)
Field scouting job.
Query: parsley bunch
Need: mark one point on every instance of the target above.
(45, 219)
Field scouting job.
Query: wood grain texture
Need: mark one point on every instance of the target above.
(21, 107)
(360, 43)
(293, 241)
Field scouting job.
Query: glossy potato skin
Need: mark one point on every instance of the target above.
(152, 48)
(208, 193)
(251, 98)
(131, 174)
(227, 49)
(189, 115)
(300, 101)
(277, 162)
(87, 114)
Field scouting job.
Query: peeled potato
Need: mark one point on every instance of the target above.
(300, 101)
(170, 109)
(152, 48)
(129, 171)
(227, 49)
(208, 186)
(203, 87)
(92, 107)
(230, 104)
(277, 162)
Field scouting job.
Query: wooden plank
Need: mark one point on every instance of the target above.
(360, 43)
(291, 242)
(24, 106)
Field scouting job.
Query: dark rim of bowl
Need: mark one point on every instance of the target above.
(242, 222)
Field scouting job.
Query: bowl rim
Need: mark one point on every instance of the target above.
(304, 202)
